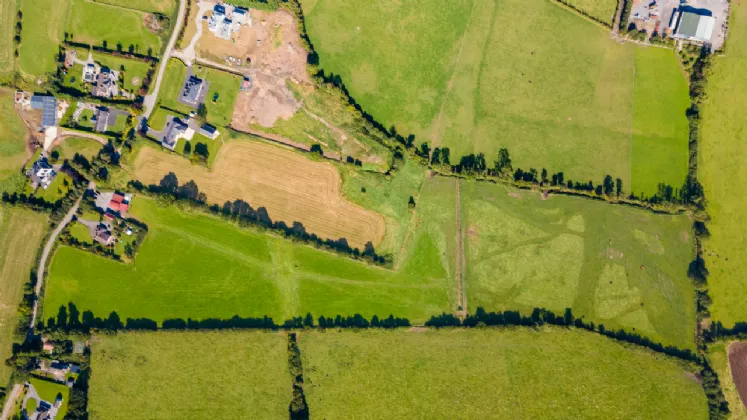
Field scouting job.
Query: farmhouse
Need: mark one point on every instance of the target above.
(48, 106)
(41, 173)
(119, 203)
(693, 25)
(101, 116)
(106, 83)
(175, 129)
(103, 235)
(89, 73)
(227, 19)
(193, 93)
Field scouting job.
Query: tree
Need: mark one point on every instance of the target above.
(503, 164)
(201, 149)
(169, 183)
(619, 186)
(411, 203)
(62, 317)
(445, 154)
(544, 175)
(316, 148)
(436, 157)
(202, 113)
(609, 185)
(187, 148)
(308, 322)
(425, 151)
(54, 155)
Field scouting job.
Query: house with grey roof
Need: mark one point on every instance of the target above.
(101, 116)
(48, 106)
(193, 92)
(175, 129)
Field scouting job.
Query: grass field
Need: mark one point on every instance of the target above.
(189, 375)
(722, 172)
(13, 151)
(290, 186)
(72, 145)
(622, 267)
(94, 23)
(48, 392)
(487, 85)
(57, 189)
(490, 373)
(43, 27)
(165, 7)
(186, 258)
(603, 10)
(21, 232)
(718, 357)
(134, 71)
(8, 9)
(171, 86)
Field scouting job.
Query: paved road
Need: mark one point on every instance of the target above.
(149, 102)
(45, 255)
(11, 401)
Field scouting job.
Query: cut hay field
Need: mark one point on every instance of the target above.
(8, 10)
(722, 172)
(21, 232)
(487, 84)
(94, 23)
(189, 375)
(491, 373)
(623, 267)
(165, 7)
(198, 266)
(718, 355)
(13, 152)
(604, 10)
(43, 26)
(290, 186)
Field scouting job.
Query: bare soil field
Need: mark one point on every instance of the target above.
(290, 186)
(268, 100)
(738, 365)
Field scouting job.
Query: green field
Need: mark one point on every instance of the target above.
(21, 232)
(8, 9)
(80, 232)
(13, 152)
(72, 145)
(43, 27)
(615, 265)
(189, 375)
(56, 190)
(165, 7)
(604, 10)
(722, 171)
(93, 23)
(492, 373)
(171, 86)
(48, 392)
(488, 83)
(719, 360)
(133, 69)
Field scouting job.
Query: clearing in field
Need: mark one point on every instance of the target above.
(21, 232)
(211, 374)
(615, 265)
(43, 26)
(186, 257)
(8, 9)
(719, 357)
(13, 148)
(95, 23)
(536, 78)
(492, 373)
(290, 186)
(722, 171)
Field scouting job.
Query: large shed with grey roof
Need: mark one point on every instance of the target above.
(48, 106)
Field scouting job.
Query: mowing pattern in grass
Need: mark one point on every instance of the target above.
(492, 373)
(722, 171)
(43, 27)
(189, 375)
(530, 76)
(604, 10)
(719, 359)
(48, 392)
(13, 151)
(94, 23)
(165, 7)
(7, 32)
(20, 234)
(614, 265)
(186, 258)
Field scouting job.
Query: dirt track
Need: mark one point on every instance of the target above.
(738, 364)
(290, 186)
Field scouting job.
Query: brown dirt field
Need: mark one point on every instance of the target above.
(738, 364)
(290, 186)
(268, 100)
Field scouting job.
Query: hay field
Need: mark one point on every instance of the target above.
(165, 7)
(290, 186)
(722, 172)
(7, 32)
(43, 26)
(189, 375)
(623, 267)
(13, 152)
(21, 232)
(536, 78)
(492, 373)
(603, 10)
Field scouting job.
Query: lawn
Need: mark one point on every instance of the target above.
(13, 151)
(80, 232)
(492, 373)
(487, 84)
(722, 171)
(719, 360)
(623, 267)
(21, 232)
(48, 391)
(187, 257)
(43, 26)
(222, 92)
(604, 10)
(74, 79)
(8, 9)
(134, 70)
(96, 23)
(72, 145)
(165, 7)
(56, 190)
(171, 86)
(157, 120)
(189, 375)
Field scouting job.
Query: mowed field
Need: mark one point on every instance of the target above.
(13, 152)
(492, 373)
(189, 375)
(43, 26)
(8, 10)
(198, 266)
(623, 267)
(530, 76)
(290, 186)
(604, 10)
(94, 23)
(722, 172)
(718, 357)
(68, 147)
(21, 232)
(165, 7)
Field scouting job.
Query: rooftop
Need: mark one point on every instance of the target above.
(48, 105)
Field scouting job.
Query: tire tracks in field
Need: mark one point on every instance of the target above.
(460, 261)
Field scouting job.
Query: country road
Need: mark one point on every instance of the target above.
(10, 401)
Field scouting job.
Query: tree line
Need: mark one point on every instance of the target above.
(298, 409)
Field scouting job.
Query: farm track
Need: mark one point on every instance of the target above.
(10, 401)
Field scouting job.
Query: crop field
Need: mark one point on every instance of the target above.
(623, 267)
(165, 7)
(603, 10)
(722, 171)
(492, 373)
(21, 232)
(95, 23)
(7, 32)
(43, 27)
(718, 355)
(134, 70)
(189, 375)
(186, 257)
(68, 147)
(13, 151)
(290, 186)
(488, 85)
